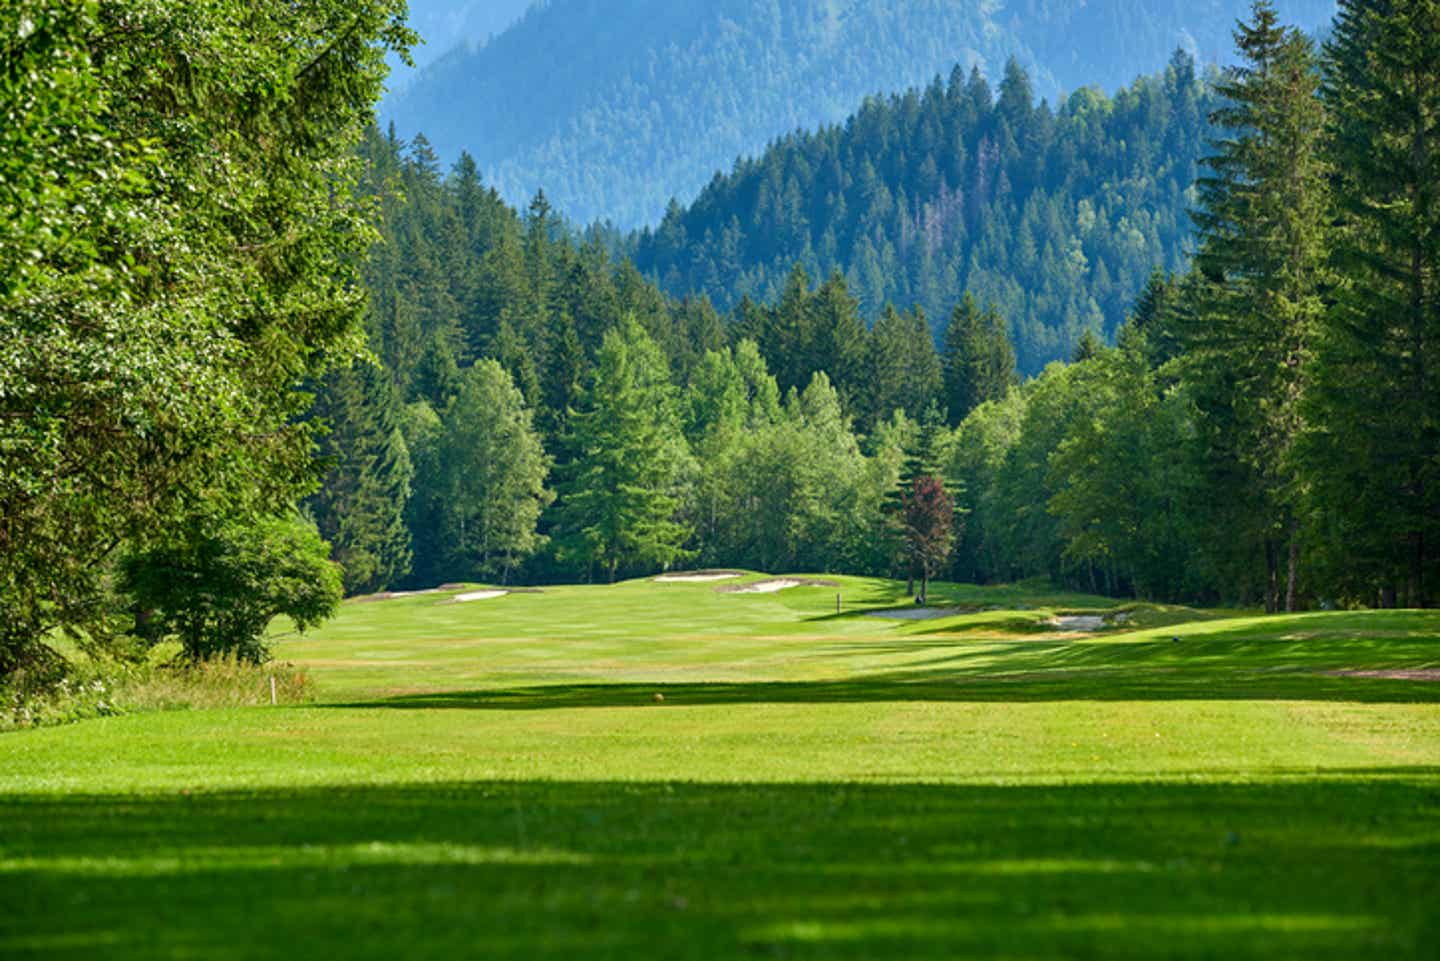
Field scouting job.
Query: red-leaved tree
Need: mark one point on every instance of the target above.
(929, 516)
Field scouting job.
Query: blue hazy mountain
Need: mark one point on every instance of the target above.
(615, 106)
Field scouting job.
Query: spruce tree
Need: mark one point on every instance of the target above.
(1262, 247)
(619, 500)
(360, 507)
(978, 361)
(1372, 458)
(904, 369)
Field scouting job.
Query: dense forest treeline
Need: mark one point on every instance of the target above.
(1206, 456)
(616, 107)
(1057, 217)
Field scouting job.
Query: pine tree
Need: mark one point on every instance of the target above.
(1088, 347)
(978, 361)
(1376, 411)
(1262, 247)
(904, 370)
(619, 500)
(360, 507)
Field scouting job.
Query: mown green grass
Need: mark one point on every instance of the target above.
(497, 779)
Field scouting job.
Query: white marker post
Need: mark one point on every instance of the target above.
(272, 690)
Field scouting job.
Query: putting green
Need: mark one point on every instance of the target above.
(497, 779)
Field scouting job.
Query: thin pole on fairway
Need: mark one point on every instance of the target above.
(837, 602)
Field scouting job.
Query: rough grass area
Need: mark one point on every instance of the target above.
(108, 689)
(499, 780)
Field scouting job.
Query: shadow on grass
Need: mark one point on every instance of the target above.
(1341, 868)
(1096, 686)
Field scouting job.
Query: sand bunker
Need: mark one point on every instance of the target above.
(392, 595)
(1076, 622)
(766, 587)
(915, 613)
(479, 595)
(774, 584)
(695, 577)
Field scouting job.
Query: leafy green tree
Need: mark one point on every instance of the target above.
(178, 255)
(982, 443)
(491, 471)
(216, 586)
(621, 493)
(1120, 487)
(425, 512)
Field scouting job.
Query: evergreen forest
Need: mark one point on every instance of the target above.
(1056, 217)
(615, 108)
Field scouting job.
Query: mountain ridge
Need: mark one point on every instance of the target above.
(614, 111)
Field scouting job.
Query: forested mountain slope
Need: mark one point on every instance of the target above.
(1057, 218)
(614, 107)
(447, 24)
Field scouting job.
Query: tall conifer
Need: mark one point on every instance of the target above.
(1374, 465)
(1262, 246)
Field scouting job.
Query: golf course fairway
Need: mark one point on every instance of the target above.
(666, 770)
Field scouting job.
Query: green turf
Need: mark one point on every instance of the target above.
(496, 779)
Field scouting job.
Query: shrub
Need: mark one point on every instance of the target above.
(215, 591)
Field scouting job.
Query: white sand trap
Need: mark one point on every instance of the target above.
(767, 587)
(915, 613)
(479, 595)
(695, 578)
(1076, 622)
(395, 595)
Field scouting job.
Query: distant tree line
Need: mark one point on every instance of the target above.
(1267, 429)
(536, 410)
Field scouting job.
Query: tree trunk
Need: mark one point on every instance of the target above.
(1272, 577)
(1415, 586)
(1292, 577)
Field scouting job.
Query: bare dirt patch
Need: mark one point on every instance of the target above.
(1418, 674)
